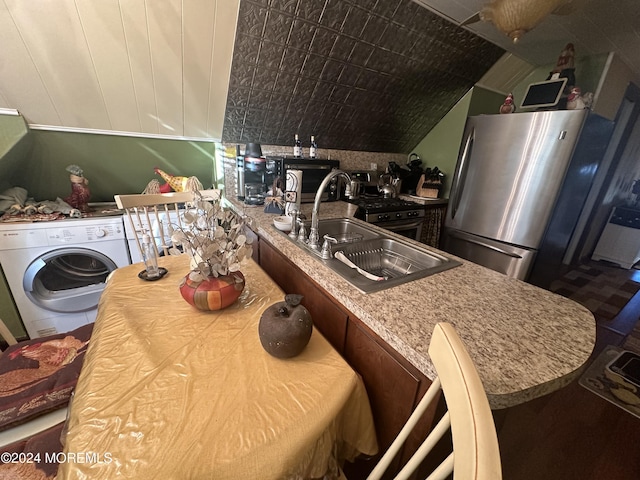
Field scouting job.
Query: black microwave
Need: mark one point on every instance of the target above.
(314, 170)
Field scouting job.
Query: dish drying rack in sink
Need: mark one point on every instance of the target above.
(373, 257)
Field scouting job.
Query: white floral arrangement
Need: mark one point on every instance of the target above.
(213, 236)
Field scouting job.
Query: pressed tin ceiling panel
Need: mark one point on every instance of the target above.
(373, 75)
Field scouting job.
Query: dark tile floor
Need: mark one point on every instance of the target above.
(572, 433)
(601, 287)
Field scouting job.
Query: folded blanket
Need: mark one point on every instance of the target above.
(18, 206)
(12, 197)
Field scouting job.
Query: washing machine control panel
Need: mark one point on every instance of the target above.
(13, 239)
(72, 232)
(84, 234)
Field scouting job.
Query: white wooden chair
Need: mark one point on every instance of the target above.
(159, 212)
(475, 455)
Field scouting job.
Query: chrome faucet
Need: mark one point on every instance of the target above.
(314, 240)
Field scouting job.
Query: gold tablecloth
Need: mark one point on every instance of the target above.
(170, 392)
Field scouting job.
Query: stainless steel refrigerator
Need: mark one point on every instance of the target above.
(519, 186)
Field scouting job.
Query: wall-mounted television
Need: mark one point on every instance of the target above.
(544, 94)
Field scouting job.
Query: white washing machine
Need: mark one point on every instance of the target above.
(57, 270)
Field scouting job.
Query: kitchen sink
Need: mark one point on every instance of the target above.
(378, 261)
(345, 230)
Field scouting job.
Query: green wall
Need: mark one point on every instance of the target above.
(14, 145)
(12, 129)
(113, 164)
(588, 73)
(441, 146)
(8, 310)
(37, 160)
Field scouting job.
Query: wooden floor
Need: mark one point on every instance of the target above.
(572, 433)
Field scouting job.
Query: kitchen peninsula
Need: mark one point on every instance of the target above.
(526, 342)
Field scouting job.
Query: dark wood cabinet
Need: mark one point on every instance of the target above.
(328, 318)
(394, 386)
(255, 243)
(388, 382)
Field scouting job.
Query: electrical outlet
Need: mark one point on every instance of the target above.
(373, 166)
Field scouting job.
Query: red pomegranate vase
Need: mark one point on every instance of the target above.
(214, 293)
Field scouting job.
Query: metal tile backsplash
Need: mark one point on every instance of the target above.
(370, 75)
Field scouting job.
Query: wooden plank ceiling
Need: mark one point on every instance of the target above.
(156, 67)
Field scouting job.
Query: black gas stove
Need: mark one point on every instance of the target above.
(377, 209)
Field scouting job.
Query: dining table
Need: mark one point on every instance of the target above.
(169, 391)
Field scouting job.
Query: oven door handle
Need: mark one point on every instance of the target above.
(399, 225)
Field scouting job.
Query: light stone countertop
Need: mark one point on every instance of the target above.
(525, 341)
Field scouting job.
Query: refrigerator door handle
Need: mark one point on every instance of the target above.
(461, 174)
(483, 244)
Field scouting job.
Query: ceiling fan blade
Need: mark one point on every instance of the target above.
(472, 19)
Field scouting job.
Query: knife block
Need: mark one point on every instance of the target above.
(428, 189)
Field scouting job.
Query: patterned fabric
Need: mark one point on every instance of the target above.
(432, 226)
(39, 375)
(35, 458)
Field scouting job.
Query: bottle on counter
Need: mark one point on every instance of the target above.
(297, 147)
(313, 149)
(149, 257)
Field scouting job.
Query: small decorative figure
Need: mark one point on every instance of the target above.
(184, 184)
(178, 183)
(587, 98)
(274, 203)
(80, 193)
(565, 67)
(153, 188)
(566, 59)
(508, 106)
(574, 100)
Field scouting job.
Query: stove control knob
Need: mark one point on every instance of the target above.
(398, 215)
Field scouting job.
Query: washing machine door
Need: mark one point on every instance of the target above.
(68, 279)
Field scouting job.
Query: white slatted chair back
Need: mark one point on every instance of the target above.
(159, 212)
(475, 454)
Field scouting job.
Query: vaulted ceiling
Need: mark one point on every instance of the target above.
(593, 26)
(359, 74)
(156, 67)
